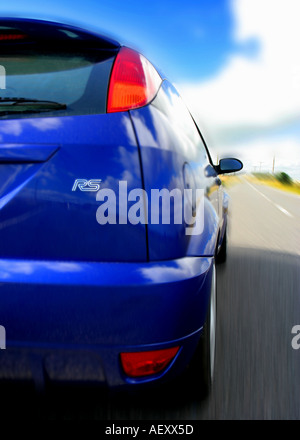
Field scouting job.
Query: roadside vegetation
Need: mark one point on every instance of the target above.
(229, 180)
(279, 180)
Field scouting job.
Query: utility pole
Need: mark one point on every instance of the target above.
(273, 167)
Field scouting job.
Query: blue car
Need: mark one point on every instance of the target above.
(112, 216)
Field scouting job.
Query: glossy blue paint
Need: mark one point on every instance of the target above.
(104, 303)
(41, 217)
(74, 292)
(15, 153)
(168, 140)
(103, 307)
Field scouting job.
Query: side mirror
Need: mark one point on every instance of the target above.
(228, 165)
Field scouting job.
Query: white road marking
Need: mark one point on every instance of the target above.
(269, 200)
(283, 210)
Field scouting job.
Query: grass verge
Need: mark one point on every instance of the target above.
(270, 180)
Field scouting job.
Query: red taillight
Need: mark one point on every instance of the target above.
(12, 36)
(145, 363)
(134, 82)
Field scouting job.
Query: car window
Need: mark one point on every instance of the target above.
(177, 112)
(78, 80)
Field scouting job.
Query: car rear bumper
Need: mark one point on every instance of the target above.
(72, 320)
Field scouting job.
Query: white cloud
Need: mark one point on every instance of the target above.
(259, 94)
(258, 155)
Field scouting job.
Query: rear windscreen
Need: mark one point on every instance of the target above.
(78, 80)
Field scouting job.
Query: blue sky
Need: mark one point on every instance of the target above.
(188, 40)
(235, 62)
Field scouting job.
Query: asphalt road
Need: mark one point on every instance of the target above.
(257, 370)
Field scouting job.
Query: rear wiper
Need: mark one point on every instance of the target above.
(26, 105)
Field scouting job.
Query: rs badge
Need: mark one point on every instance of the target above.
(87, 185)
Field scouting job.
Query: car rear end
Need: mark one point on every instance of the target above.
(82, 299)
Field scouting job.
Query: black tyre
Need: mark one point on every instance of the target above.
(222, 255)
(201, 369)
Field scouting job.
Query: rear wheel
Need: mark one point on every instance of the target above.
(207, 345)
(202, 367)
(222, 255)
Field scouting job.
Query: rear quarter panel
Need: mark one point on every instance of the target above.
(169, 143)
